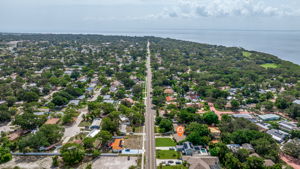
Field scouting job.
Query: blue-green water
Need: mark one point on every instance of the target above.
(284, 44)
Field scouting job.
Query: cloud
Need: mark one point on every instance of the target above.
(205, 8)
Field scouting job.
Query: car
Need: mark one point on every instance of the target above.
(171, 148)
(177, 162)
(170, 162)
(127, 150)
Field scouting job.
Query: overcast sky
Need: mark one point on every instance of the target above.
(98, 15)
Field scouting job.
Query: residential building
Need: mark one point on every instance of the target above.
(93, 133)
(122, 129)
(286, 125)
(278, 135)
(233, 147)
(96, 124)
(117, 145)
(74, 102)
(188, 148)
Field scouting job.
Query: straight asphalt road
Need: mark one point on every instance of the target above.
(149, 117)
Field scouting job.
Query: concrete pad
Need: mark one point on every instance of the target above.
(120, 162)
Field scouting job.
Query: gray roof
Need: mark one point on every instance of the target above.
(269, 116)
(278, 135)
(296, 101)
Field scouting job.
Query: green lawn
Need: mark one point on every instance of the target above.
(246, 54)
(270, 65)
(173, 167)
(164, 142)
(167, 154)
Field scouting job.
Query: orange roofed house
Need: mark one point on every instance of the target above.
(117, 145)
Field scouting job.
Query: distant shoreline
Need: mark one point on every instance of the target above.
(281, 43)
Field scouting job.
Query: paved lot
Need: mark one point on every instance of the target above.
(73, 130)
(29, 162)
(120, 162)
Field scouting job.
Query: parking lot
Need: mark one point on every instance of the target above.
(120, 162)
(168, 162)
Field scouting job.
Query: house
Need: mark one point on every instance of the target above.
(263, 126)
(122, 129)
(289, 126)
(117, 145)
(233, 147)
(169, 99)
(168, 91)
(202, 162)
(268, 163)
(278, 135)
(124, 119)
(106, 97)
(81, 97)
(68, 72)
(96, 124)
(74, 102)
(52, 121)
(128, 100)
(188, 148)
(245, 116)
(269, 117)
(296, 101)
(248, 147)
(93, 133)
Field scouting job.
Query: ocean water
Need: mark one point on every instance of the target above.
(284, 44)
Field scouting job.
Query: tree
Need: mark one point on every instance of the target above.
(254, 163)
(5, 154)
(104, 136)
(210, 118)
(72, 153)
(55, 162)
(107, 108)
(53, 132)
(165, 125)
(59, 100)
(281, 103)
(88, 142)
(11, 100)
(28, 121)
(110, 125)
(232, 162)
(197, 133)
(31, 97)
(292, 148)
(235, 104)
(294, 111)
(242, 154)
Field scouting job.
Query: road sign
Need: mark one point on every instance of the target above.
(180, 130)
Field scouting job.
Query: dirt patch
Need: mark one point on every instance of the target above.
(133, 142)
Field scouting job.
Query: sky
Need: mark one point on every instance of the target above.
(98, 15)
